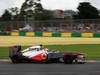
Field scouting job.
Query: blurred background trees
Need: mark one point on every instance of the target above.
(87, 11)
(33, 10)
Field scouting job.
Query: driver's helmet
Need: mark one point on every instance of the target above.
(41, 47)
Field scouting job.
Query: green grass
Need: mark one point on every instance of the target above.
(4, 51)
(91, 50)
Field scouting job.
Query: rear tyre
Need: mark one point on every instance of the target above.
(14, 61)
(68, 59)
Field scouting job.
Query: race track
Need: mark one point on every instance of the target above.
(21, 40)
(7, 68)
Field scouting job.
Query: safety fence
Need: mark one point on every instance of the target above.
(69, 26)
(50, 34)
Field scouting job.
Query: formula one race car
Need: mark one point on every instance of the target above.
(38, 54)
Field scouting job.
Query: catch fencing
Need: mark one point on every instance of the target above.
(79, 25)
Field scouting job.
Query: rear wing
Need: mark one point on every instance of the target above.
(14, 50)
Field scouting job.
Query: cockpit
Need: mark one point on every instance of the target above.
(34, 49)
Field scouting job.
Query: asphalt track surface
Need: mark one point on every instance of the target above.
(90, 68)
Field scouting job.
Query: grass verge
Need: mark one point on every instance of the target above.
(91, 50)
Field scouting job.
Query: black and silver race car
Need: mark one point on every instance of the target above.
(37, 54)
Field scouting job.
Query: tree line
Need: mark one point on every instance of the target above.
(33, 10)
